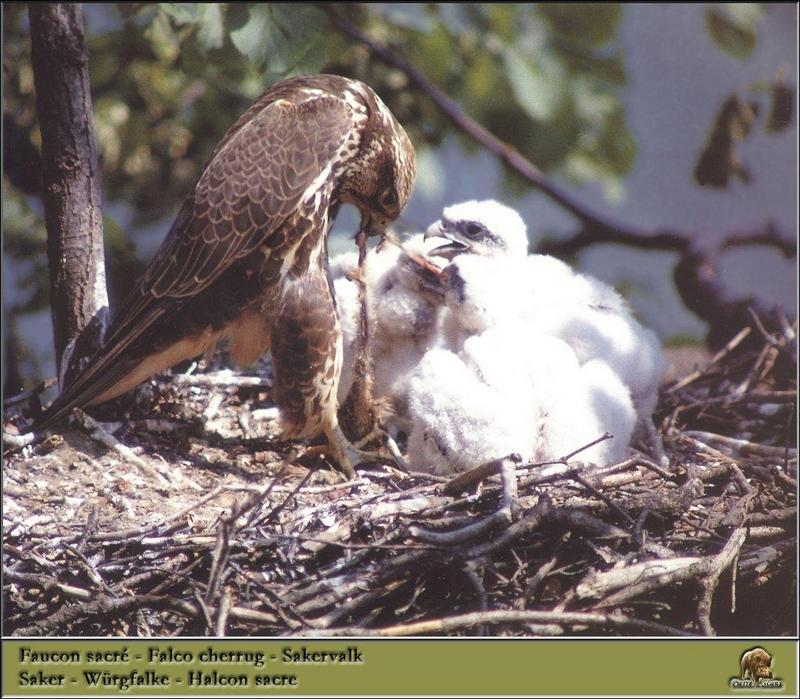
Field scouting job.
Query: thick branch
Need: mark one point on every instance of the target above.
(769, 235)
(70, 181)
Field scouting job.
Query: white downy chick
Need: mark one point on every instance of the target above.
(458, 420)
(491, 279)
(511, 390)
(629, 349)
(570, 405)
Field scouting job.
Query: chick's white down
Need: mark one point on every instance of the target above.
(457, 420)
(518, 354)
(495, 280)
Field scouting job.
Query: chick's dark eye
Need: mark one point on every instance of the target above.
(473, 230)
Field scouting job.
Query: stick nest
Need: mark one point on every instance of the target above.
(191, 517)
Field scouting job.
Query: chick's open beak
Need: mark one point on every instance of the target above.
(440, 229)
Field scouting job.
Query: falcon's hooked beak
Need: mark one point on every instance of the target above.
(372, 224)
(449, 231)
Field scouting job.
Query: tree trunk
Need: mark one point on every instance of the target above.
(71, 190)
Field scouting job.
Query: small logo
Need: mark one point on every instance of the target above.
(756, 666)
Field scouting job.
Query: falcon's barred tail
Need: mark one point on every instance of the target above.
(246, 257)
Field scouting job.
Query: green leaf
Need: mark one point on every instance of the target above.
(604, 155)
(163, 39)
(480, 81)
(436, 53)
(182, 12)
(453, 16)
(253, 37)
(781, 108)
(584, 167)
(278, 36)
(212, 30)
(403, 14)
(616, 146)
(113, 234)
(598, 65)
(300, 27)
(718, 161)
(585, 22)
(592, 104)
(733, 27)
(503, 17)
(539, 88)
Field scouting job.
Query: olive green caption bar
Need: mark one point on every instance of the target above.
(463, 667)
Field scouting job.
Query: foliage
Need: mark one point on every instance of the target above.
(169, 78)
(733, 28)
(719, 160)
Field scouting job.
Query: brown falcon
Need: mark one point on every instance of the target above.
(246, 260)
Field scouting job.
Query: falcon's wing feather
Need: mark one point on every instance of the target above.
(252, 183)
(254, 180)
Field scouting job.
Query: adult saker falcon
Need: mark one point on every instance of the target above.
(246, 258)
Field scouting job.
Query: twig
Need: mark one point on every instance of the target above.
(786, 513)
(102, 605)
(718, 357)
(743, 446)
(464, 480)
(602, 438)
(646, 576)
(462, 622)
(717, 565)
(761, 329)
(372, 546)
(607, 500)
(223, 612)
(19, 441)
(215, 575)
(272, 514)
(765, 533)
(223, 379)
(27, 395)
(91, 570)
(47, 583)
(536, 580)
(90, 524)
(458, 536)
(574, 519)
(105, 438)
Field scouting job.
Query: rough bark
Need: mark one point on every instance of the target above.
(71, 189)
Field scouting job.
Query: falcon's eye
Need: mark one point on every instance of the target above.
(389, 199)
(473, 230)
